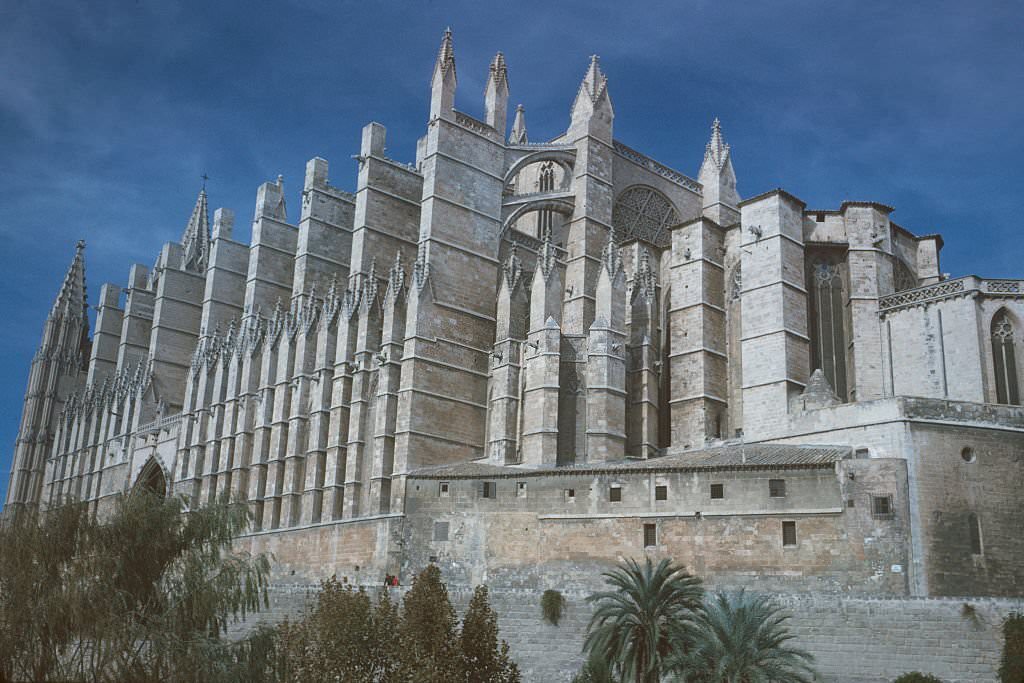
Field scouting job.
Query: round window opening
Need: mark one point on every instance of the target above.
(968, 454)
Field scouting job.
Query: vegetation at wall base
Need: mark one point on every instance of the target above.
(1011, 666)
(552, 603)
(917, 677)
(637, 625)
(143, 594)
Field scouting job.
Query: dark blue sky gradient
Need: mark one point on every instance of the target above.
(111, 111)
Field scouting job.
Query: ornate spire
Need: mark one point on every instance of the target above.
(512, 268)
(195, 241)
(546, 256)
(71, 299)
(396, 277)
(645, 281)
(499, 72)
(719, 179)
(611, 257)
(518, 136)
(421, 268)
(446, 53)
(595, 83)
(717, 151)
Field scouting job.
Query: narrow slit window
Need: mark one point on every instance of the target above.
(788, 534)
(444, 489)
(521, 489)
(489, 490)
(650, 535)
(974, 528)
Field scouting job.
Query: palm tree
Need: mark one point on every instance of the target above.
(636, 626)
(741, 638)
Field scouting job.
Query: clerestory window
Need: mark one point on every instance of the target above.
(1004, 358)
(828, 322)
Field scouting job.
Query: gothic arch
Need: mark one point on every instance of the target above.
(561, 206)
(564, 158)
(1005, 332)
(152, 478)
(642, 212)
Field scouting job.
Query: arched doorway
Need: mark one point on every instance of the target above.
(152, 479)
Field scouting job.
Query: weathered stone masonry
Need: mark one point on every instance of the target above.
(526, 360)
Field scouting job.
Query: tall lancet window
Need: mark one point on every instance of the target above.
(546, 184)
(1003, 355)
(828, 322)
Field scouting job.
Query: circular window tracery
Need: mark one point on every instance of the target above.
(643, 213)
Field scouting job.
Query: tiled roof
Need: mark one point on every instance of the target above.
(733, 456)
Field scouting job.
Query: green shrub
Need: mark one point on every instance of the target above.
(1011, 668)
(917, 677)
(551, 604)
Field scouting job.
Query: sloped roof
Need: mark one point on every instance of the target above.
(732, 456)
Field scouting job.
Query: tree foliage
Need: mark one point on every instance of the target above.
(917, 677)
(636, 626)
(741, 638)
(1011, 666)
(484, 660)
(345, 637)
(144, 594)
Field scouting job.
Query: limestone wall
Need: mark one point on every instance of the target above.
(853, 640)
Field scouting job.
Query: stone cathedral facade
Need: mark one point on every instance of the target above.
(523, 360)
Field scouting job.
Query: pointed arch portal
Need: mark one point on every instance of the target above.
(152, 479)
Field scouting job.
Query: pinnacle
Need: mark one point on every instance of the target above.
(71, 300)
(717, 150)
(594, 82)
(195, 241)
(446, 53)
(518, 135)
(499, 69)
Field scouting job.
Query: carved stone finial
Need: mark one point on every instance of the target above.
(546, 256)
(611, 257)
(513, 268)
(421, 268)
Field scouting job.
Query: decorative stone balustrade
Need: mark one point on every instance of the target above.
(949, 289)
(659, 168)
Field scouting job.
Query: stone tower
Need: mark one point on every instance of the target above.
(56, 369)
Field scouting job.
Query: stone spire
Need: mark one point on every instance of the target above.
(546, 255)
(195, 241)
(611, 257)
(496, 95)
(518, 136)
(71, 299)
(719, 179)
(592, 110)
(512, 268)
(645, 281)
(442, 84)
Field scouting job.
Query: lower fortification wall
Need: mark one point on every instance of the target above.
(855, 640)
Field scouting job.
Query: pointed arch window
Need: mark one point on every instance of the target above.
(826, 300)
(546, 183)
(1004, 359)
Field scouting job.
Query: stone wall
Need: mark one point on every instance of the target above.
(853, 640)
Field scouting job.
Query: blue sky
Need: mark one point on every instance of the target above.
(111, 111)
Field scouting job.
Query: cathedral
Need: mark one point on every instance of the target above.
(523, 360)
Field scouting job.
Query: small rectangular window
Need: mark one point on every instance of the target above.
(650, 535)
(850, 503)
(489, 490)
(443, 489)
(521, 489)
(820, 218)
(440, 531)
(570, 494)
(881, 506)
(788, 533)
(660, 493)
(777, 488)
(615, 494)
(718, 490)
